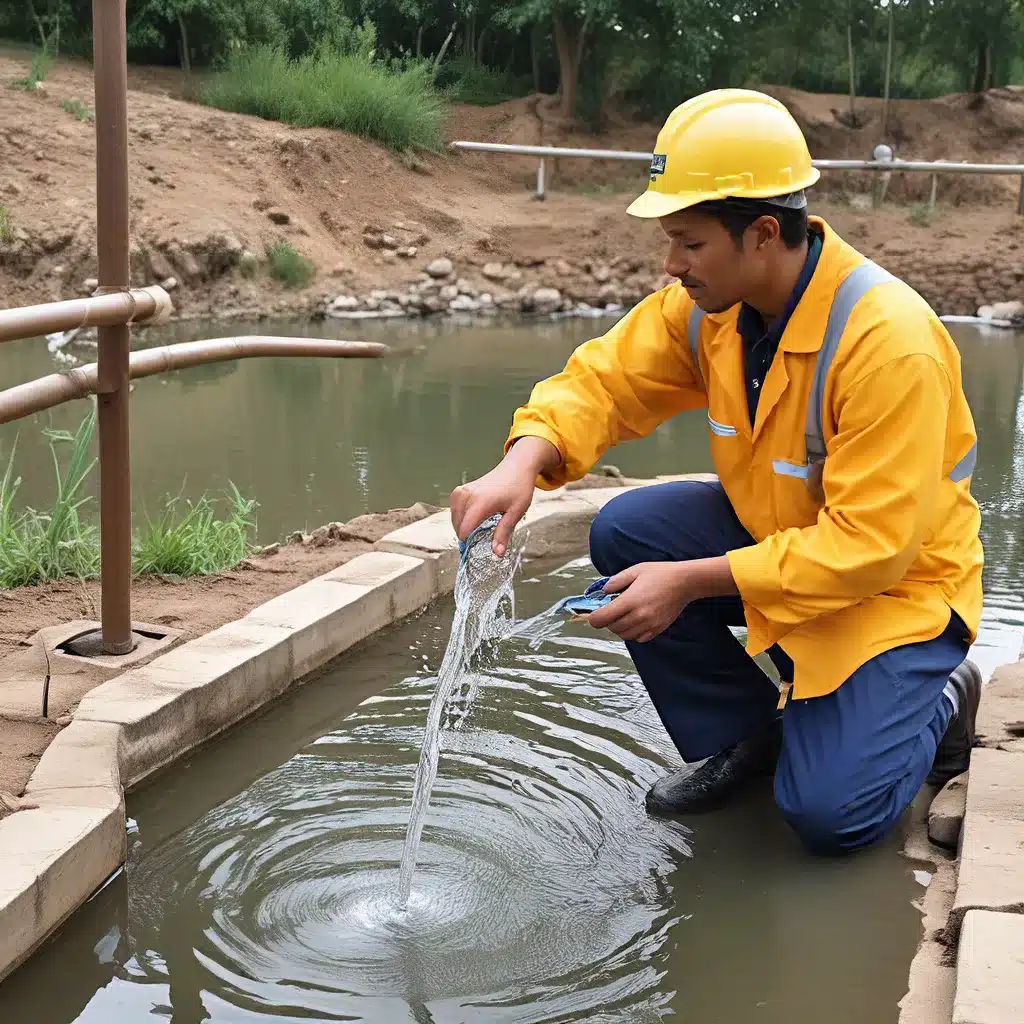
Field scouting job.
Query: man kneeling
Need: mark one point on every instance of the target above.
(842, 531)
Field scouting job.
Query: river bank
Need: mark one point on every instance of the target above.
(213, 193)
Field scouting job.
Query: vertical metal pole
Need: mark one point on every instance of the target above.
(540, 179)
(931, 197)
(1020, 197)
(110, 71)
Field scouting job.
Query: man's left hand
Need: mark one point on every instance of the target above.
(652, 595)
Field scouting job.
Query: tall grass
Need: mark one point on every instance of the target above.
(399, 107)
(35, 545)
(187, 539)
(39, 67)
(197, 542)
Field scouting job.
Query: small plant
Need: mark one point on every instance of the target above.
(40, 66)
(6, 225)
(80, 111)
(289, 267)
(37, 545)
(197, 542)
(921, 215)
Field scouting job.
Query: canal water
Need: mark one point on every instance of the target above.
(260, 872)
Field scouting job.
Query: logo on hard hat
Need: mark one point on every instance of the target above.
(658, 162)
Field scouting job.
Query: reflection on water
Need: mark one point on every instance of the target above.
(262, 874)
(321, 440)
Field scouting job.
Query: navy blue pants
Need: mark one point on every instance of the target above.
(851, 761)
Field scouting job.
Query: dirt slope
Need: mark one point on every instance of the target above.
(207, 185)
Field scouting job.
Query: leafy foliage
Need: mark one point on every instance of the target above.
(593, 52)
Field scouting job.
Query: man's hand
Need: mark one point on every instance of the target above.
(506, 490)
(652, 595)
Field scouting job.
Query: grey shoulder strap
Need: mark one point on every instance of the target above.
(855, 286)
(693, 333)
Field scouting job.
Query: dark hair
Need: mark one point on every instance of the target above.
(737, 214)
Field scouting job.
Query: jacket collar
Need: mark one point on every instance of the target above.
(806, 327)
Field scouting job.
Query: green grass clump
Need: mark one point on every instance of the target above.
(921, 215)
(6, 225)
(80, 111)
(289, 267)
(40, 66)
(37, 545)
(197, 542)
(398, 107)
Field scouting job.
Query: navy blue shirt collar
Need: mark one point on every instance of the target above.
(760, 344)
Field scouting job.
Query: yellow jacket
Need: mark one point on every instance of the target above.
(887, 543)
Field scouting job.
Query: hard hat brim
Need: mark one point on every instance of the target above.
(652, 205)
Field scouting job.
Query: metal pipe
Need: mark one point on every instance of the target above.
(57, 388)
(1020, 197)
(540, 179)
(110, 73)
(152, 305)
(940, 166)
(933, 193)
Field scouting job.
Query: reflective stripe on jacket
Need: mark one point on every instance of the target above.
(863, 546)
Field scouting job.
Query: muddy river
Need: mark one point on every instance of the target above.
(261, 870)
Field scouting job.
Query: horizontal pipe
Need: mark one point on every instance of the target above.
(57, 388)
(939, 166)
(151, 305)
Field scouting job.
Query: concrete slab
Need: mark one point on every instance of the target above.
(329, 615)
(991, 868)
(946, 813)
(433, 540)
(84, 755)
(186, 697)
(54, 857)
(1001, 712)
(990, 969)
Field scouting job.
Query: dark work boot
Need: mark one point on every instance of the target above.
(692, 790)
(953, 756)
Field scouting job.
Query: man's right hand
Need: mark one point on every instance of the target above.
(507, 490)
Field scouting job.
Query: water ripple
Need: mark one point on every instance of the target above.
(542, 888)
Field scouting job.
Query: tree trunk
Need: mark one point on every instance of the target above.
(982, 68)
(419, 42)
(186, 56)
(570, 35)
(888, 74)
(535, 57)
(480, 45)
(853, 74)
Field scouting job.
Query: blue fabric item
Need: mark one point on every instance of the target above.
(851, 761)
(485, 529)
(589, 601)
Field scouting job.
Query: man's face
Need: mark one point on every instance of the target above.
(716, 272)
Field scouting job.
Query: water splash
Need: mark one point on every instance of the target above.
(484, 611)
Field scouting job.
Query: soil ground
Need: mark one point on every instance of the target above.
(205, 183)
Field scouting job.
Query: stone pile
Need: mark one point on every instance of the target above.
(539, 288)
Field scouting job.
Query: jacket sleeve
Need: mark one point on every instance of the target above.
(881, 480)
(615, 388)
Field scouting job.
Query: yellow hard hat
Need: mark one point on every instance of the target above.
(727, 142)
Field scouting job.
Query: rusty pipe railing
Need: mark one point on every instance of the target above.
(152, 305)
(57, 388)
